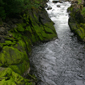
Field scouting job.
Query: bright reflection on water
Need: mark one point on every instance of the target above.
(61, 61)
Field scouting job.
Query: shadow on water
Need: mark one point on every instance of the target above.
(61, 61)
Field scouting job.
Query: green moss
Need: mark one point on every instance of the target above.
(81, 33)
(8, 43)
(38, 28)
(28, 28)
(83, 11)
(79, 1)
(45, 33)
(9, 77)
(20, 68)
(17, 46)
(73, 26)
(20, 27)
(17, 35)
(34, 38)
(78, 29)
(70, 8)
(28, 43)
(11, 55)
(21, 45)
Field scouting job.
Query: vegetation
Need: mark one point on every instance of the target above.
(79, 1)
(19, 36)
(12, 7)
(83, 11)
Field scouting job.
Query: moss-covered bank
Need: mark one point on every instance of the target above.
(77, 19)
(17, 36)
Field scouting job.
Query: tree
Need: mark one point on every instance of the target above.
(12, 7)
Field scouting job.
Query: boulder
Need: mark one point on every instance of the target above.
(58, 5)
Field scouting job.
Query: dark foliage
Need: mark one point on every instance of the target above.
(12, 7)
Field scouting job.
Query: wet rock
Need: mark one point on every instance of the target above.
(45, 5)
(58, 5)
(2, 31)
(55, 1)
(49, 8)
(2, 40)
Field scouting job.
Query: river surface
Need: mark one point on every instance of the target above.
(61, 61)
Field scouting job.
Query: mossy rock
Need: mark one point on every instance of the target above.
(21, 46)
(44, 33)
(9, 77)
(73, 26)
(20, 68)
(20, 27)
(34, 38)
(81, 33)
(11, 55)
(78, 29)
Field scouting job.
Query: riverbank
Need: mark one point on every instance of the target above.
(17, 36)
(77, 19)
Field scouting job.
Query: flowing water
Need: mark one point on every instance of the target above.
(61, 61)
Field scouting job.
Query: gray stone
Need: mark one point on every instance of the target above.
(58, 5)
(49, 8)
(2, 31)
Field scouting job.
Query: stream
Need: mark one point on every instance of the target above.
(60, 61)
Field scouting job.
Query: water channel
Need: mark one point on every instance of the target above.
(60, 61)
